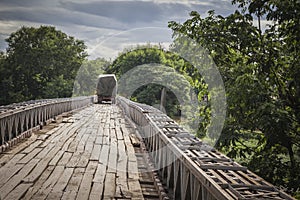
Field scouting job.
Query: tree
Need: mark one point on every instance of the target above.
(161, 65)
(261, 76)
(5, 80)
(87, 76)
(41, 61)
(131, 58)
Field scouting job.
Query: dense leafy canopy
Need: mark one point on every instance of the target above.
(261, 75)
(40, 63)
(87, 76)
(151, 93)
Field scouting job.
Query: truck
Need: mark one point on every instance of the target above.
(107, 88)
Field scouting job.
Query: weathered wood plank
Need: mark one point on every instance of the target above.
(106, 140)
(135, 189)
(30, 156)
(86, 182)
(100, 173)
(15, 180)
(89, 146)
(100, 128)
(57, 191)
(110, 185)
(125, 132)
(45, 151)
(57, 157)
(81, 145)
(65, 159)
(49, 183)
(119, 133)
(72, 188)
(72, 147)
(38, 184)
(113, 156)
(131, 153)
(18, 192)
(8, 161)
(104, 155)
(32, 146)
(99, 139)
(74, 159)
(67, 144)
(134, 140)
(122, 190)
(56, 135)
(96, 152)
(84, 159)
(96, 191)
(41, 166)
(8, 173)
(122, 157)
(91, 168)
(112, 134)
(133, 172)
(43, 137)
(106, 132)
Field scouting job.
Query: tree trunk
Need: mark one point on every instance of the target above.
(163, 100)
(291, 155)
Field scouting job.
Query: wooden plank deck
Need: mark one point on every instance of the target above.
(88, 156)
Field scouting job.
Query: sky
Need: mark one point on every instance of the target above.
(106, 26)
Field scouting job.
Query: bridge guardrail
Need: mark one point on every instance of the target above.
(17, 121)
(190, 168)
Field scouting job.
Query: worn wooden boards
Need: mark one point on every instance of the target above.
(19, 120)
(89, 156)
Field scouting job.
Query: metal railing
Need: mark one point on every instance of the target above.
(190, 168)
(17, 121)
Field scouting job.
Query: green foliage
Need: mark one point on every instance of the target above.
(260, 71)
(40, 63)
(5, 82)
(87, 76)
(179, 73)
(58, 87)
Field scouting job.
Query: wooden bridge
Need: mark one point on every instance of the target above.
(74, 149)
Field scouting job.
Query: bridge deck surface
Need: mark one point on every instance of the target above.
(89, 155)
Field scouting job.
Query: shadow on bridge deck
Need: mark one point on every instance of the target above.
(90, 155)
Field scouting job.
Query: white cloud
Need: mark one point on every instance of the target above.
(111, 46)
(97, 22)
(263, 23)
